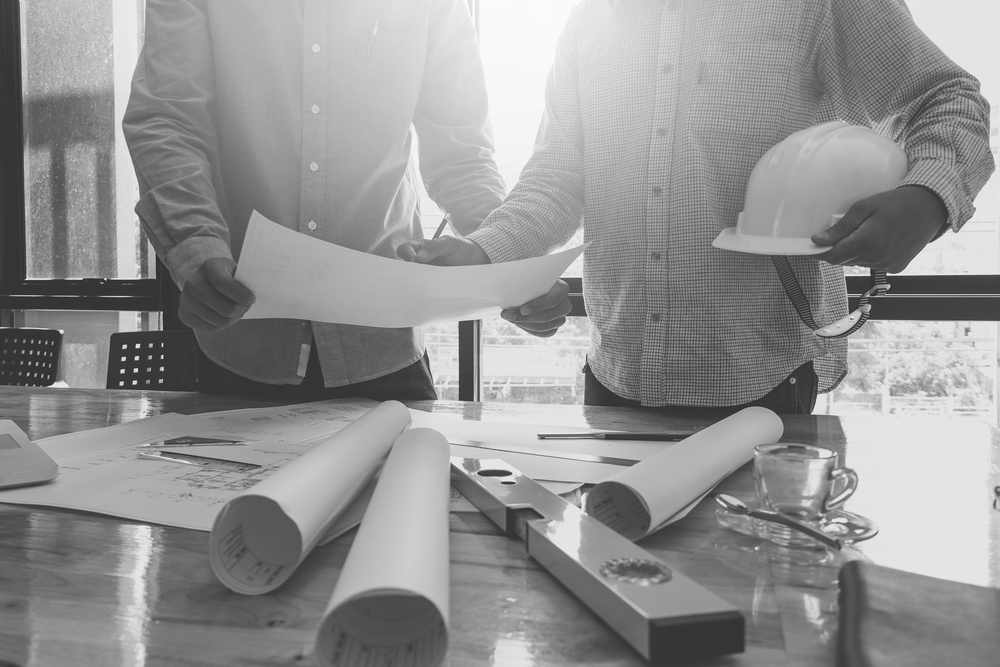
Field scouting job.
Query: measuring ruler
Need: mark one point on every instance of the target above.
(209, 463)
(662, 614)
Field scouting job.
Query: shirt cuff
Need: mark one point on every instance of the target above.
(498, 244)
(943, 180)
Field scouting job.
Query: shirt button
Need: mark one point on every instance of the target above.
(661, 131)
(667, 69)
(313, 167)
(314, 108)
(315, 48)
(312, 225)
(672, 6)
(655, 255)
(655, 317)
(657, 191)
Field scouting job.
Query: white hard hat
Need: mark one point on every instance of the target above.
(805, 183)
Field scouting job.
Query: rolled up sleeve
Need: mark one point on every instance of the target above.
(170, 135)
(912, 91)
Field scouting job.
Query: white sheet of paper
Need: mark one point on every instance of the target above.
(299, 277)
(663, 488)
(262, 535)
(101, 470)
(100, 467)
(390, 604)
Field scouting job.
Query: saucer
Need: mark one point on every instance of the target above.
(845, 526)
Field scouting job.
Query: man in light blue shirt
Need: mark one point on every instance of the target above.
(308, 112)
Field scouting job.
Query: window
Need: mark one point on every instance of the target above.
(77, 62)
(72, 255)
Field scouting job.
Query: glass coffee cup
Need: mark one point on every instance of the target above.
(800, 481)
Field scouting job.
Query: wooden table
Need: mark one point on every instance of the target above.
(83, 589)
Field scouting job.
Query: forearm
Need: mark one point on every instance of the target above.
(544, 208)
(542, 212)
(880, 69)
(452, 121)
(170, 135)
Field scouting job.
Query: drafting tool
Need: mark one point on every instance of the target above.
(572, 456)
(193, 441)
(662, 614)
(203, 461)
(620, 435)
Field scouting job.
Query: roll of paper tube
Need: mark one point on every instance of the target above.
(666, 486)
(261, 536)
(390, 604)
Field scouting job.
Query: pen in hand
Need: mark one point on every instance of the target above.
(441, 227)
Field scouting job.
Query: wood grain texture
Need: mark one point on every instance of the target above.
(83, 589)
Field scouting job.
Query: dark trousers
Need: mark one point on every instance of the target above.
(413, 383)
(796, 395)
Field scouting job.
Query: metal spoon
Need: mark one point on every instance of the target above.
(737, 506)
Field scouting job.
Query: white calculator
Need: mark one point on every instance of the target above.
(22, 461)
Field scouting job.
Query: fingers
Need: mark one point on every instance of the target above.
(543, 316)
(212, 299)
(557, 298)
(408, 251)
(199, 323)
(445, 251)
(885, 231)
(221, 276)
(846, 244)
(425, 251)
(205, 316)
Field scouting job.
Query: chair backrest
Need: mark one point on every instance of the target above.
(29, 357)
(158, 360)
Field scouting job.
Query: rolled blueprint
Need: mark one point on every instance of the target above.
(666, 486)
(261, 536)
(390, 604)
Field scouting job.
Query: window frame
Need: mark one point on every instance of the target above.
(945, 297)
(17, 292)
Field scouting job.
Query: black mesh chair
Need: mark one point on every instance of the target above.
(160, 360)
(29, 357)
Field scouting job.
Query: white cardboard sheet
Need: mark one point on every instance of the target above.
(104, 470)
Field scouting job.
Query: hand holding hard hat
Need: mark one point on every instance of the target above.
(831, 191)
(806, 183)
(885, 231)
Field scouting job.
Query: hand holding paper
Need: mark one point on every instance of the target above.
(212, 298)
(295, 276)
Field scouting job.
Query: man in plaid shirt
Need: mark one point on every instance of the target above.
(656, 113)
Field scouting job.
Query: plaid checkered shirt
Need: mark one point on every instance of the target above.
(656, 113)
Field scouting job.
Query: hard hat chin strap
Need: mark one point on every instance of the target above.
(841, 328)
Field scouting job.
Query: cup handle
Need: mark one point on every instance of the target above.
(851, 484)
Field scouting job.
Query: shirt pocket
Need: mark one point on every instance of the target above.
(743, 89)
(385, 78)
(758, 20)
